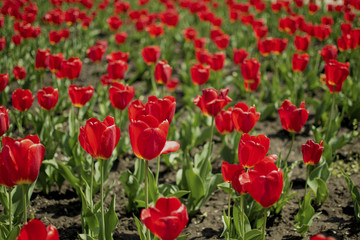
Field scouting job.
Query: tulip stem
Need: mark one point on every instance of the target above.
(147, 194)
(307, 178)
(10, 209)
(157, 170)
(242, 217)
(264, 226)
(120, 119)
(102, 198)
(92, 185)
(291, 145)
(331, 117)
(210, 139)
(229, 205)
(19, 121)
(153, 83)
(23, 187)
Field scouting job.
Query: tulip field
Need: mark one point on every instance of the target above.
(179, 119)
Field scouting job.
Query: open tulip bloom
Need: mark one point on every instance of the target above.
(36, 229)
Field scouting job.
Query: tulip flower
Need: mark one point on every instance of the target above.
(120, 37)
(244, 118)
(222, 41)
(252, 149)
(265, 46)
(54, 37)
(321, 237)
(118, 55)
(260, 32)
(167, 219)
(239, 56)
(4, 80)
(114, 23)
(151, 54)
(199, 74)
(41, 59)
(279, 45)
(230, 170)
(155, 30)
(211, 102)
(329, 52)
(95, 53)
(217, 61)
(116, 70)
(336, 73)
(190, 34)
(71, 68)
(312, 152)
(22, 99)
(170, 17)
(79, 96)
(120, 96)
(162, 109)
(162, 72)
(2, 43)
(224, 122)
(4, 120)
(16, 39)
(35, 229)
(47, 98)
(199, 43)
(172, 84)
(299, 62)
(54, 62)
(19, 72)
(291, 117)
(250, 70)
(99, 139)
(302, 43)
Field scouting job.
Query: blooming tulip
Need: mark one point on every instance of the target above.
(120, 96)
(118, 55)
(48, 97)
(162, 72)
(321, 237)
(250, 69)
(79, 96)
(4, 80)
(167, 219)
(22, 99)
(117, 69)
(53, 61)
(95, 53)
(329, 52)
(71, 68)
(211, 102)
(114, 23)
(302, 43)
(120, 37)
(336, 73)
(230, 170)
(223, 122)
(99, 139)
(217, 61)
(41, 59)
(151, 54)
(4, 120)
(299, 62)
(199, 74)
(19, 72)
(252, 149)
(312, 152)
(239, 56)
(35, 229)
(190, 34)
(291, 117)
(244, 118)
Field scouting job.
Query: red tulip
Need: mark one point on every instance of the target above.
(199, 43)
(321, 237)
(155, 30)
(203, 56)
(172, 84)
(313, 8)
(167, 219)
(162, 109)
(288, 25)
(120, 96)
(79, 96)
(99, 139)
(250, 69)
(244, 118)
(279, 45)
(117, 69)
(299, 62)
(312, 152)
(118, 55)
(95, 53)
(252, 149)
(291, 117)
(2, 43)
(222, 41)
(230, 170)
(239, 181)
(260, 32)
(151, 54)
(35, 229)
(16, 39)
(19, 72)
(327, 20)
(170, 17)
(20, 160)
(336, 73)
(329, 52)
(4, 120)
(239, 56)
(22, 99)
(54, 62)
(41, 59)
(223, 122)
(162, 72)
(322, 32)
(265, 46)
(190, 34)
(217, 61)
(302, 43)
(71, 68)
(199, 74)
(120, 37)
(114, 23)
(4, 80)
(211, 102)
(47, 98)
(265, 183)
(54, 37)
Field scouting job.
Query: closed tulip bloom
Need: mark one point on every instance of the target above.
(16, 39)
(54, 37)
(217, 61)
(299, 62)
(265, 46)
(291, 117)
(329, 52)
(47, 98)
(252, 84)
(120, 96)
(260, 32)
(19, 72)
(71, 68)
(265, 183)
(4, 80)
(199, 74)
(79, 96)
(35, 229)
(54, 62)
(172, 84)
(117, 69)
(244, 118)
(222, 41)
(239, 56)
(114, 23)
(336, 73)
(250, 69)
(95, 53)
(20, 160)
(4, 120)
(199, 43)
(203, 56)
(99, 139)
(41, 59)
(223, 122)
(151, 54)
(312, 152)
(167, 219)
(22, 99)
(120, 37)
(252, 149)
(211, 102)
(279, 45)
(190, 34)
(302, 43)
(162, 72)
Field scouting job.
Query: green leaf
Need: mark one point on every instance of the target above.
(305, 216)
(64, 171)
(85, 237)
(141, 228)
(355, 195)
(111, 219)
(253, 234)
(14, 233)
(153, 191)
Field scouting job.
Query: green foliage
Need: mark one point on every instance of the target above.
(355, 195)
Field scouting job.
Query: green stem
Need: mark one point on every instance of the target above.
(120, 119)
(242, 217)
(157, 170)
(331, 116)
(23, 187)
(264, 226)
(229, 205)
(102, 198)
(10, 209)
(152, 73)
(291, 145)
(210, 138)
(92, 185)
(307, 178)
(147, 193)
(19, 123)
